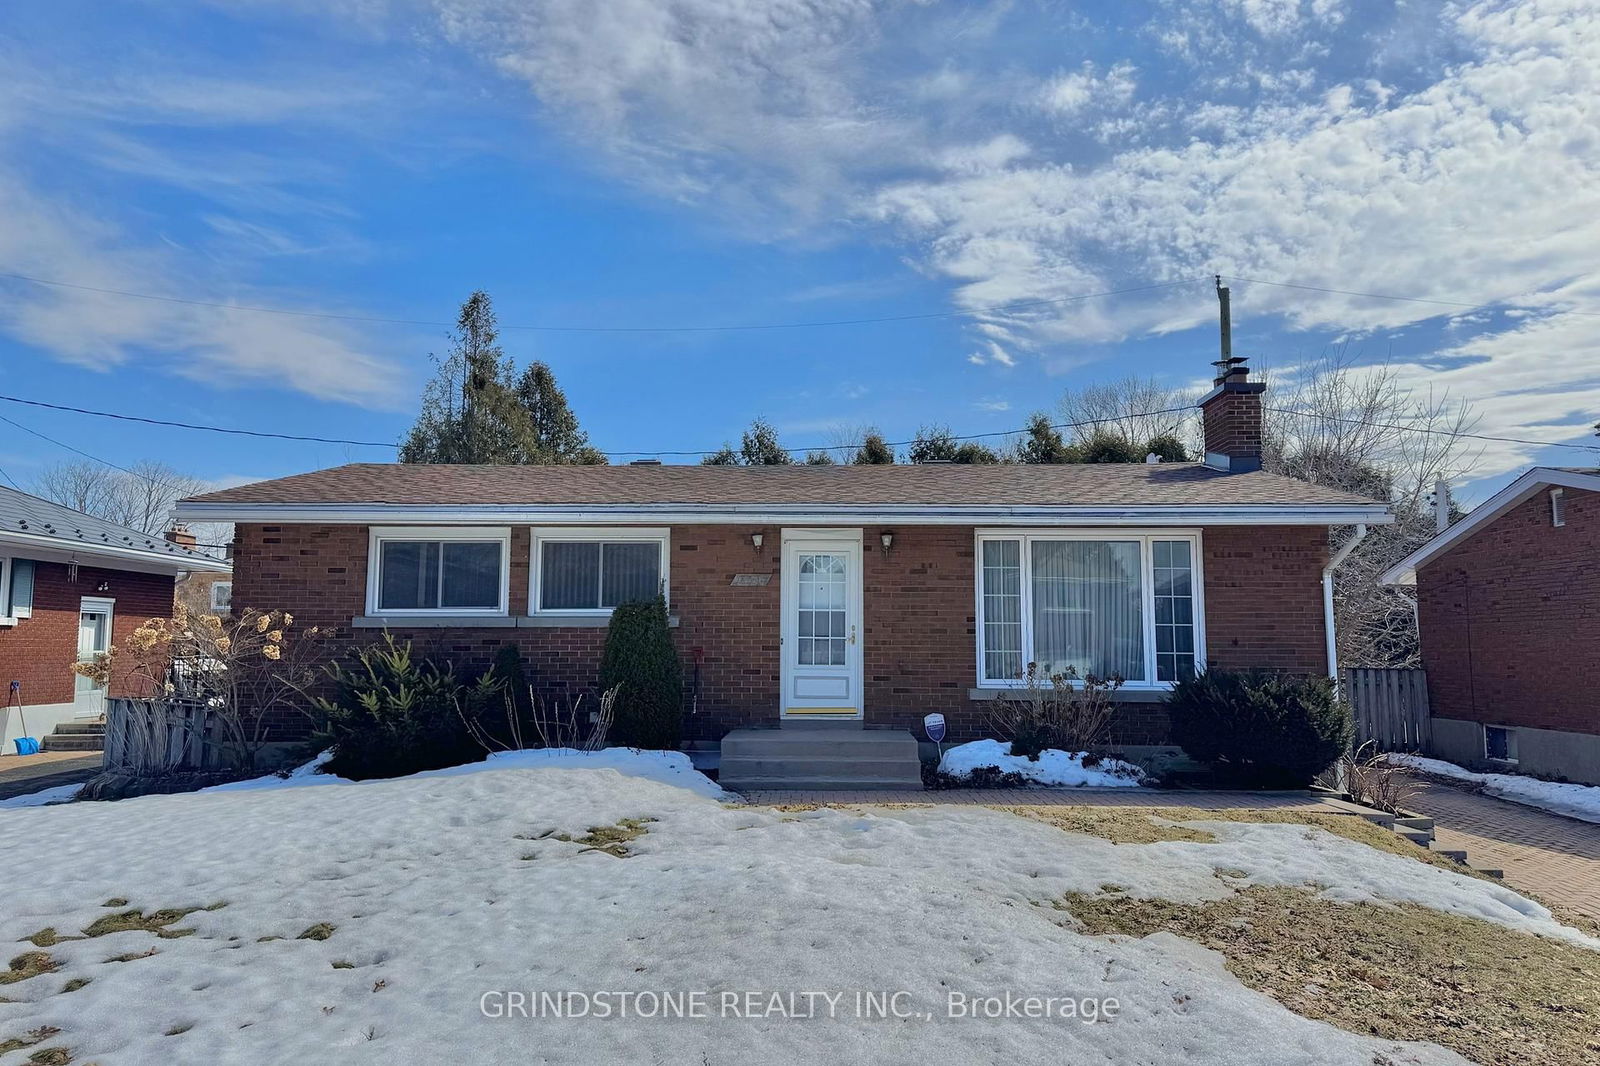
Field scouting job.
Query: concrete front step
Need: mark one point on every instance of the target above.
(81, 727)
(75, 742)
(818, 755)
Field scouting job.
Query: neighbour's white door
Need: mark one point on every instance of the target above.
(820, 598)
(94, 635)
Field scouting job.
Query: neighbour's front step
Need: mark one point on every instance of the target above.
(81, 727)
(75, 742)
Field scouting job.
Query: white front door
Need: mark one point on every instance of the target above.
(821, 603)
(94, 635)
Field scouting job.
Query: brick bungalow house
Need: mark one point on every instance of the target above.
(806, 594)
(1508, 605)
(71, 585)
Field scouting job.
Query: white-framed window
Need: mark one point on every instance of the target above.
(221, 597)
(1499, 743)
(7, 609)
(1123, 603)
(589, 570)
(438, 570)
(1558, 507)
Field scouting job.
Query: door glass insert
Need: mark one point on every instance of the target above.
(820, 596)
(91, 639)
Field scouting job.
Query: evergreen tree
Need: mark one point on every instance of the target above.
(818, 457)
(476, 411)
(553, 433)
(1043, 444)
(933, 444)
(1168, 447)
(759, 446)
(1108, 446)
(874, 451)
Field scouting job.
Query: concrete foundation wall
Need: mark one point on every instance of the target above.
(1552, 753)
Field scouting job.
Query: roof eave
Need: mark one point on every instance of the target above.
(798, 514)
(1519, 491)
(112, 557)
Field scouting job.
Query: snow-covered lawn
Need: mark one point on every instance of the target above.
(1574, 801)
(1062, 769)
(445, 887)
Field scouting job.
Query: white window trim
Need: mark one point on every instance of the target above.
(661, 535)
(1511, 742)
(6, 617)
(211, 596)
(1558, 514)
(495, 534)
(1147, 580)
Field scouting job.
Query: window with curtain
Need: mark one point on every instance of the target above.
(1117, 606)
(597, 575)
(440, 575)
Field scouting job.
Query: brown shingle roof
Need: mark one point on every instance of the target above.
(1114, 484)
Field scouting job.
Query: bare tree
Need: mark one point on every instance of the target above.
(1361, 429)
(140, 497)
(1135, 409)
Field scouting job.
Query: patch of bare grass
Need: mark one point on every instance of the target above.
(28, 1039)
(611, 839)
(158, 922)
(1404, 972)
(28, 964)
(320, 931)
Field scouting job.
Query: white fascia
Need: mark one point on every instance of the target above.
(1519, 491)
(798, 514)
(107, 556)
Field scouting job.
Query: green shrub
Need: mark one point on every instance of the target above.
(508, 672)
(1261, 729)
(640, 661)
(392, 714)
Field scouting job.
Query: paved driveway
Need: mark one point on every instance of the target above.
(1555, 858)
(22, 774)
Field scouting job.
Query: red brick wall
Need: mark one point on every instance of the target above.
(39, 651)
(1263, 590)
(1510, 619)
(1231, 423)
(1263, 605)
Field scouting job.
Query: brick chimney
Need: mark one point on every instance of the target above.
(1231, 416)
(180, 536)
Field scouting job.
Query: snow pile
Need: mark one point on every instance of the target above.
(444, 887)
(1574, 801)
(1058, 769)
(55, 794)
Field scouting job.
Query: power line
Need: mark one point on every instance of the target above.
(712, 451)
(1020, 305)
(1435, 432)
(192, 425)
(1385, 296)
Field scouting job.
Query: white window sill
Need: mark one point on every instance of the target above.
(7, 620)
(1122, 695)
(481, 621)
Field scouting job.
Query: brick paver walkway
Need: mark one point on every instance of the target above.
(1555, 858)
(1057, 797)
(22, 774)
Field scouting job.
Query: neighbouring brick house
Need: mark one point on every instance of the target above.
(1508, 605)
(71, 585)
(855, 593)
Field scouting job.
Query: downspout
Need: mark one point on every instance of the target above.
(1327, 597)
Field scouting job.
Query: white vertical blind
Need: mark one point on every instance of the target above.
(1088, 608)
(1002, 609)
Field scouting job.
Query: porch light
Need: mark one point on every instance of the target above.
(888, 542)
(755, 541)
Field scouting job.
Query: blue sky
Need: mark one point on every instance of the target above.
(724, 162)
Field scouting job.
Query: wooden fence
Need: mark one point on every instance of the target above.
(1391, 707)
(157, 736)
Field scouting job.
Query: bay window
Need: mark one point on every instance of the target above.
(591, 571)
(1110, 604)
(446, 570)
